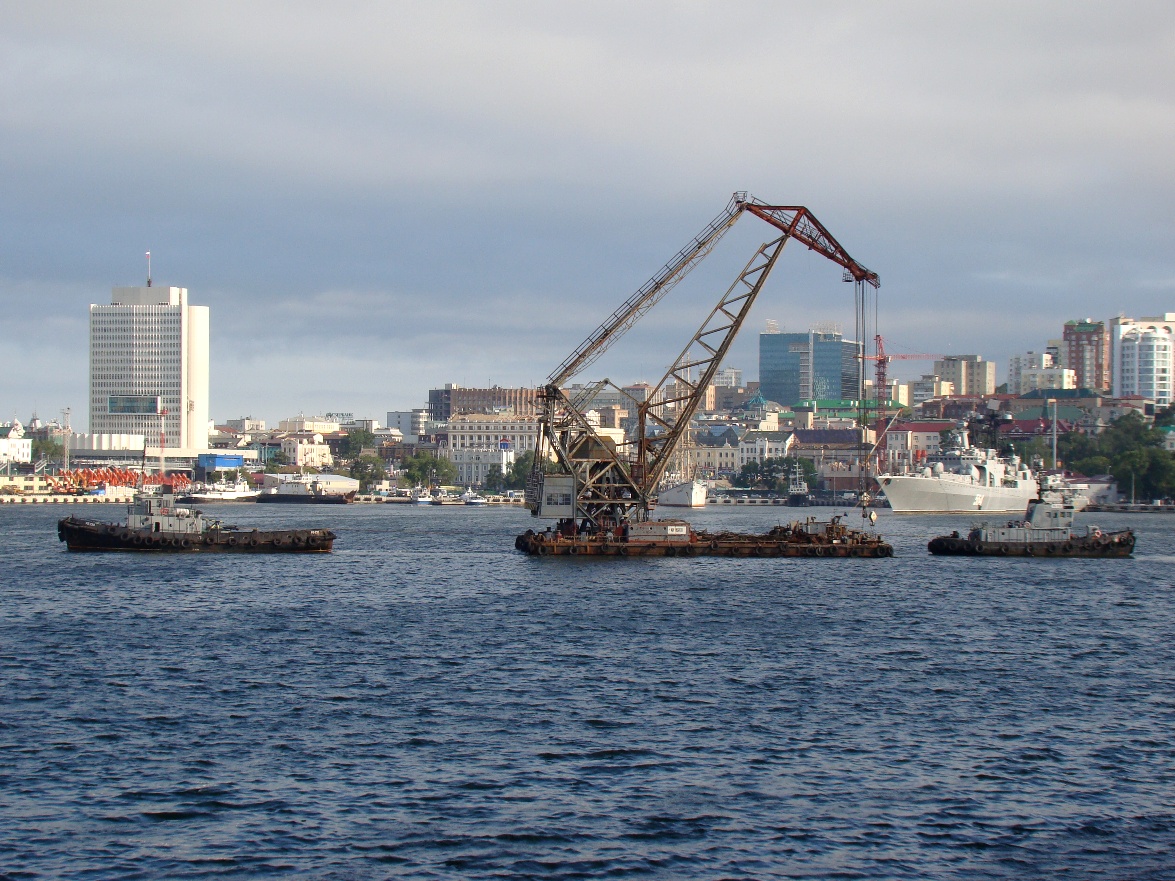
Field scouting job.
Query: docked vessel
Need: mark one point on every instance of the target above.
(798, 495)
(306, 490)
(469, 497)
(689, 494)
(961, 480)
(206, 493)
(1046, 531)
(672, 538)
(156, 523)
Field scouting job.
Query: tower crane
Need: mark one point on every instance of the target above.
(600, 484)
(883, 359)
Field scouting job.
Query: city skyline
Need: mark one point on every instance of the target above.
(375, 203)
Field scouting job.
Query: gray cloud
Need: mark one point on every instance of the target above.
(376, 198)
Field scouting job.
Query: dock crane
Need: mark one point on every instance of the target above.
(599, 484)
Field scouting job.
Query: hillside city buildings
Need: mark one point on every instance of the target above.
(149, 369)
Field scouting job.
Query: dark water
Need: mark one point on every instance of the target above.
(428, 703)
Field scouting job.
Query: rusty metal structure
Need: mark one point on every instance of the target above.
(601, 484)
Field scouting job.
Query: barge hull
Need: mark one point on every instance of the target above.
(81, 535)
(1108, 546)
(750, 546)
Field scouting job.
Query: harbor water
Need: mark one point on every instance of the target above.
(426, 702)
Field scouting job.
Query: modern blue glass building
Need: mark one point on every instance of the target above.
(796, 367)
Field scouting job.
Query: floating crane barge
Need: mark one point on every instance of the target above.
(600, 491)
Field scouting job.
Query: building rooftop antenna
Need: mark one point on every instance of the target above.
(148, 269)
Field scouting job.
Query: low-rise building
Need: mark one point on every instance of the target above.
(756, 446)
(306, 451)
(14, 446)
(474, 464)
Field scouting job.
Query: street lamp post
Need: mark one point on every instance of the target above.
(1053, 401)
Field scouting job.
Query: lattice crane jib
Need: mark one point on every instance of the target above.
(583, 476)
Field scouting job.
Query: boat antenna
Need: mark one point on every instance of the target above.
(148, 269)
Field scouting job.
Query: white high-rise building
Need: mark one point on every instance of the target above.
(149, 353)
(1143, 357)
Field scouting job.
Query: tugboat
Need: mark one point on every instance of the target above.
(154, 523)
(797, 488)
(672, 538)
(1046, 531)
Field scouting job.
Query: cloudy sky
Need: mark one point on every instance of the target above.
(378, 198)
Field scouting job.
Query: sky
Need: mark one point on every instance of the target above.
(379, 198)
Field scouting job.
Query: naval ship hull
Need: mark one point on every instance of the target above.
(954, 494)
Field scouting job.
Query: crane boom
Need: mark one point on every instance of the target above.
(604, 483)
(650, 293)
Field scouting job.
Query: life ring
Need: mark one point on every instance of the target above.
(819, 551)
(232, 541)
(299, 540)
(278, 541)
(573, 550)
(254, 541)
(185, 544)
(209, 539)
(714, 544)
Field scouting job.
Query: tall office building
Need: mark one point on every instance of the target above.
(969, 374)
(1144, 357)
(1088, 353)
(817, 365)
(149, 353)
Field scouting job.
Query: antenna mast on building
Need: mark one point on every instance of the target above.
(148, 269)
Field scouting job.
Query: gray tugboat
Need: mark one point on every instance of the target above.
(154, 523)
(1046, 531)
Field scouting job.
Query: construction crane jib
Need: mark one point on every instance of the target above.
(583, 477)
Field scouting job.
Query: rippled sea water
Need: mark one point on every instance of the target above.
(428, 703)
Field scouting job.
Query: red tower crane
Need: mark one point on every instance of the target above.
(883, 360)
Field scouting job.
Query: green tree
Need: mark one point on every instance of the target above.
(520, 470)
(368, 470)
(495, 481)
(426, 469)
(47, 448)
(355, 443)
(1129, 449)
